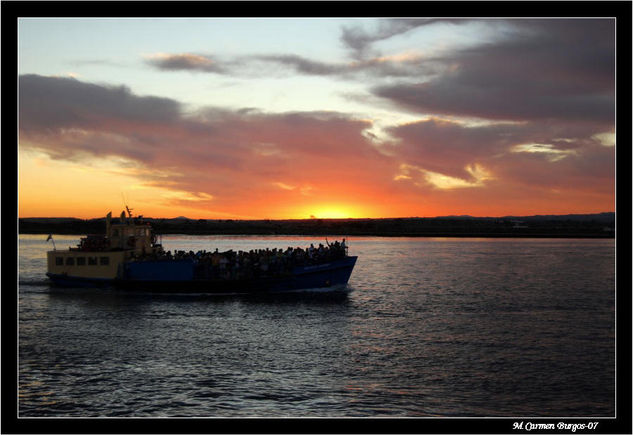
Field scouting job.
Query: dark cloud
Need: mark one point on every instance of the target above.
(304, 65)
(546, 154)
(590, 170)
(231, 157)
(532, 69)
(375, 67)
(545, 69)
(186, 62)
(249, 65)
(447, 147)
(222, 153)
(54, 103)
(359, 40)
(356, 38)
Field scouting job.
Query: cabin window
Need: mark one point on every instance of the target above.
(70, 261)
(81, 261)
(92, 261)
(59, 261)
(104, 261)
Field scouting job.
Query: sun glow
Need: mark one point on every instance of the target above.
(331, 212)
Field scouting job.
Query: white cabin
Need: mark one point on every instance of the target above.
(102, 256)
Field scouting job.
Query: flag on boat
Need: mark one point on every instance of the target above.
(50, 237)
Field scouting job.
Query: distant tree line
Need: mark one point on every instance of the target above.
(600, 225)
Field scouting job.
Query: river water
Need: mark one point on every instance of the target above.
(429, 327)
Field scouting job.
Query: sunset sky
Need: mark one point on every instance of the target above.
(292, 118)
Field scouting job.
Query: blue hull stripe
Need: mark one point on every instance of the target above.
(335, 274)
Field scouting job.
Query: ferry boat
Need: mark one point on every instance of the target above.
(129, 257)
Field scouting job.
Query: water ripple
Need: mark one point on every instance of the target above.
(432, 327)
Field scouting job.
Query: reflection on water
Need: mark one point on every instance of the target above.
(431, 327)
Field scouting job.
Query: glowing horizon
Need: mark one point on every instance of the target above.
(358, 118)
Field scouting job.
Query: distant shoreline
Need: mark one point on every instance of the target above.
(600, 225)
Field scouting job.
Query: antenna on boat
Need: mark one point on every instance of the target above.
(50, 237)
(129, 210)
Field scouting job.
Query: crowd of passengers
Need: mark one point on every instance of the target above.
(253, 263)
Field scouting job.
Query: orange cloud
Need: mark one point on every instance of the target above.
(219, 163)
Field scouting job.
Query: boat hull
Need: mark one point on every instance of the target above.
(331, 276)
(64, 280)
